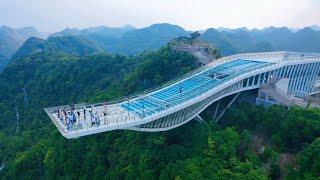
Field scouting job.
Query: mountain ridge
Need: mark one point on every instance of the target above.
(131, 41)
(70, 45)
(11, 40)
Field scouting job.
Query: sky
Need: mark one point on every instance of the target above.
(55, 15)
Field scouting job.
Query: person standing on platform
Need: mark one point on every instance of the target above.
(58, 111)
(92, 118)
(105, 116)
(97, 119)
(78, 113)
(69, 118)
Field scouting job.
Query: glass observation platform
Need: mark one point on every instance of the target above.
(189, 88)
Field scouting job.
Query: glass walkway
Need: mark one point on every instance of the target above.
(189, 88)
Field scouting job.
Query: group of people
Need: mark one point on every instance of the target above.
(74, 119)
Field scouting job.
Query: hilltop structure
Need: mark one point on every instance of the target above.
(203, 51)
(284, 78)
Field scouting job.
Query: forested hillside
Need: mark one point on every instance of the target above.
(69, 45)
(32, 148)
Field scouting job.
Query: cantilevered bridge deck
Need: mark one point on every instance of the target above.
(180, 101)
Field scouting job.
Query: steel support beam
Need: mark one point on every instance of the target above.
(230, 103)
(216, 111)
(199, 119)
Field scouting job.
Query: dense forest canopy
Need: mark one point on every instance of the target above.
(32, 148)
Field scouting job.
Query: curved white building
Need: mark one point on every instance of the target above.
(283, 77)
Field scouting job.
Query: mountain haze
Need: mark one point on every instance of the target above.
(128, 40)
(149, 38)
(268, 39)
(103, 31)
(229, 41)
(315, 27)
(11, 39)
(70, 45)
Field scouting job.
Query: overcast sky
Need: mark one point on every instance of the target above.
(54, 15)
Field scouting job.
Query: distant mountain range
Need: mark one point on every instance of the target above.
(129, 40)
(268, 39)
(11, 40)
(314, 27)
(103, 31)
(70, 45)
(221, 29)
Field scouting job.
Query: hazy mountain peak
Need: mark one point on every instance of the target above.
(315, 27)
(212, 30)
(27, 28)
(273, 29)
(243, 28)
(11, 39)
(66, 32)
(223, 29)
(165, 25)
(307, 30)
(7, 29)
(101, 32)
(62, 44)
(28, 31)
(70, 30)
(128, 26)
